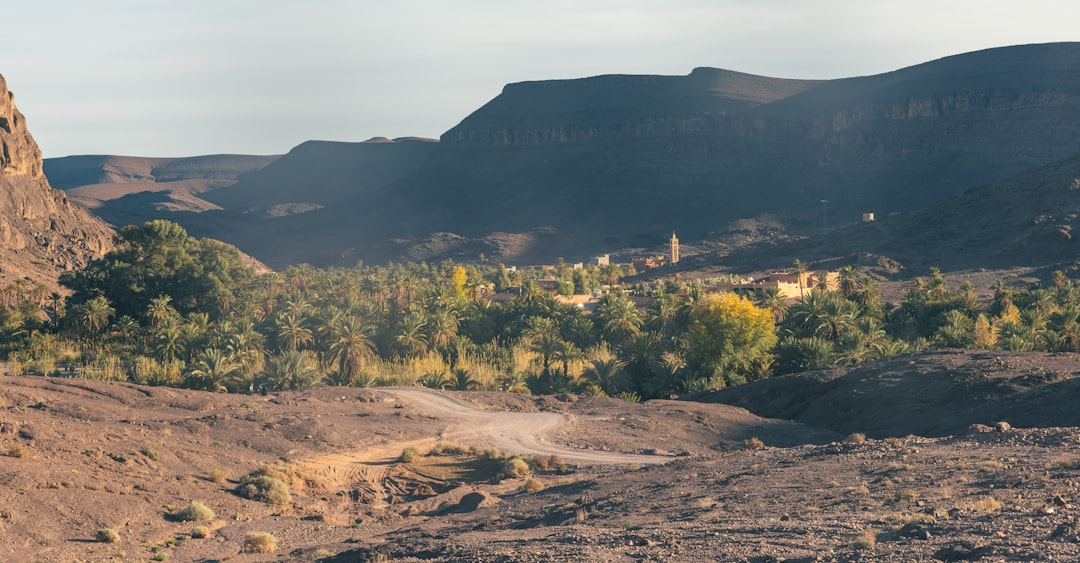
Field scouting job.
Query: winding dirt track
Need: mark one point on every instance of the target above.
(512, 432)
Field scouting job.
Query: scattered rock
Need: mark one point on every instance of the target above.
(473, 502)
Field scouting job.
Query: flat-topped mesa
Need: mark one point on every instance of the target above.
(556, 111)
(41, 232)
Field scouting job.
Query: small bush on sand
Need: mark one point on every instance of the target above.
(515, 467)
(443, 447)
(107, 535)
(985, 505)
(532, 486)
(200, 532)
(271, 483)
(856, 438)
(151, 453)
(864, 541)
(195, 511)
(17, 450)
(260, 542)
(216, 475)
(753, 444)
(409, 455)
(265, 489)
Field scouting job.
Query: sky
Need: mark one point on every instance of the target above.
(173, 78)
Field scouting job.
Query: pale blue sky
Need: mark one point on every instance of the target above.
(180, 78)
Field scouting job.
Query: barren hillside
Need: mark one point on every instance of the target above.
(610, 481)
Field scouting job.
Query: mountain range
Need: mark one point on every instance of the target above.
(579, 167)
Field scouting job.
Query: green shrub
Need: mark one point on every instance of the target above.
(151, 453)
(195, 511)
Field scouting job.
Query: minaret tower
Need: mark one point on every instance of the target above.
(674, 248)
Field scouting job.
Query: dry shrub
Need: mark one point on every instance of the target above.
(17, 450)
(753, 444)
(856, 438)
(409, 455)
(492, 454)
(195, 511)
(985, 505)
(864, 541)
(216, 475)
(271, 483)
(532, 486)
(260, 542)
(443, 447)
(515, 467)
(263, 488)
(107, 535)
(200, 532)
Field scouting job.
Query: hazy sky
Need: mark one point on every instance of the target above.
(180, 78)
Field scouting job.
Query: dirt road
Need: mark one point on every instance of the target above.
(512, 432)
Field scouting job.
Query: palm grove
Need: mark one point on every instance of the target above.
(167, 309)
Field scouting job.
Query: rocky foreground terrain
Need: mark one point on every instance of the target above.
(948, 456)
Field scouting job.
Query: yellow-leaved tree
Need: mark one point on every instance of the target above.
(458, 278)
(729, 340)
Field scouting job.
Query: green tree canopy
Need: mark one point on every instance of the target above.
(156, 259)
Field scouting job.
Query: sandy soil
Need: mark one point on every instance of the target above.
(663, 480)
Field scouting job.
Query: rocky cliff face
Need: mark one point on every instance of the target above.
(41, 232)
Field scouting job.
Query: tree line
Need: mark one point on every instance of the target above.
(168, 309)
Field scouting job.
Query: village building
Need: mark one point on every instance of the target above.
(791, 286)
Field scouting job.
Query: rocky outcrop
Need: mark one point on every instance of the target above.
(41, 232)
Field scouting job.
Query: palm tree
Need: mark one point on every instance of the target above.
(567, 353)
(606, 375)
(410, 340)
(292, 369)
(442, 327)
(292, 332)
(798, 269)
(618, 317)
(542, 338)
(169, 342)
(159, 310)
(462, 380)
(849, 281)
(351, 346)
(641, 357)
(212, 370)
(94, 314)
(771, 298)
(55, 299)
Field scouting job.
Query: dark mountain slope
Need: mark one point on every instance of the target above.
(609, 162)
(548, 153)
(1029, 220)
